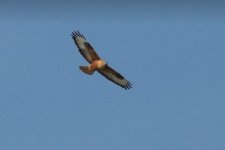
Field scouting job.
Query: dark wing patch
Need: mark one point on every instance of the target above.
(115, 77)
(86, 50)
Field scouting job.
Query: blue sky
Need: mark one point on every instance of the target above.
(173, 53)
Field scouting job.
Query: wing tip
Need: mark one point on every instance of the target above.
(128, 85)
(75, 34)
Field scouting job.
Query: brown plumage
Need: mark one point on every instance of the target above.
(96, 63)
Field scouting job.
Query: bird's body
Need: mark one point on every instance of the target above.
(94, 66)
(96, 63)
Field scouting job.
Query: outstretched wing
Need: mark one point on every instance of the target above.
(86, 50)
(115, 77)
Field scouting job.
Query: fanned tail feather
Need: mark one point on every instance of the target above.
(86, 70)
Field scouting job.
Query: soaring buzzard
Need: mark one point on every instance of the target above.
(96, 63)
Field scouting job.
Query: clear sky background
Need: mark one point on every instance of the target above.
(173, 53)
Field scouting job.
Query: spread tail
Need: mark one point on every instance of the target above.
(86, 70)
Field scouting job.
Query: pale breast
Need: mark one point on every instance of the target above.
(100, 63)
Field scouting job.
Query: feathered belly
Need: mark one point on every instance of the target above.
(98, 64)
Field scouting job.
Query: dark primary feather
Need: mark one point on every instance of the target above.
(76, 34)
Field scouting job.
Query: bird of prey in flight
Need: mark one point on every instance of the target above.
(96, 63)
